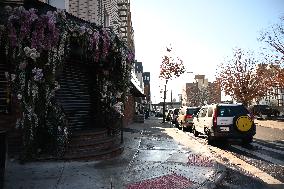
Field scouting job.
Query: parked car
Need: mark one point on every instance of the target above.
(172, 115)
(169, 116)
(259, 110)
(225, 121)
(185, 117)
(158, 113)
(175, 115)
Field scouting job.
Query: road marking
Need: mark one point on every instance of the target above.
(195, 146)
(262, 156)
(268, 148)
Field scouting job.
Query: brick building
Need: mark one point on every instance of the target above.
(200, 92)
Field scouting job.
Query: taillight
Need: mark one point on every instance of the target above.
(215, 118)
(188, 116)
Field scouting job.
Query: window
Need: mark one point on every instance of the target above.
(200, 112)
(204, 112)
(231, 111)
(210, 112)
(106, 20)
(192, 111)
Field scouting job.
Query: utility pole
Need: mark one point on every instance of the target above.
(167, 72)
(164, 104)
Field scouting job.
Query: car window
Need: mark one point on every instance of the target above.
(210, 111)
(192, 111)
(204, 112)
(176, 111)
(200, 112)
(231, 111)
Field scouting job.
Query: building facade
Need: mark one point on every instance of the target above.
(200, 92)
(114, 14)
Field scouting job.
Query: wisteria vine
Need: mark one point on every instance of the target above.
(36, 46)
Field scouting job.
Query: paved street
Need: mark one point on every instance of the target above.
(160, 156)
(269, 130)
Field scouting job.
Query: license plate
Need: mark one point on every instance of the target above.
(224, 128)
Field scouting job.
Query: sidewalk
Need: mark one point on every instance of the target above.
(151, 159)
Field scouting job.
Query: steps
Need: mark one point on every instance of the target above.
(93, 144)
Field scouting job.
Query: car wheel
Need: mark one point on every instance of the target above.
(180, 126)
(195, 132)
(176, 124)
(189, 129)
(247, 140)
(210, 140)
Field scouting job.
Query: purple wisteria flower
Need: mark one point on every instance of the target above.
(106, 42)
(38, 74)
(45, 34)
(130, 57)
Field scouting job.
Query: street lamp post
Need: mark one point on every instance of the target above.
(164, 104)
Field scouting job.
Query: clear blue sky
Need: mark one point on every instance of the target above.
(202, 33)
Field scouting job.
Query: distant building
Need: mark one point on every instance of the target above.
(200, 92)
(114, 14)
(274, 96)
(147, 89)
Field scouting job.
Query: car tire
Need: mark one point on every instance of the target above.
(247, 140)
(180, 127)
(195, 132)
(176, 124)
(210, 140)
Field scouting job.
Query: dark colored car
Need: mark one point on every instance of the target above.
(259, 110)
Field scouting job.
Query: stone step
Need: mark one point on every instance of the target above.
(88, 134)
(91, 145)
(95, 155)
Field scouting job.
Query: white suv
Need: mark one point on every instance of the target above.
(224, 121)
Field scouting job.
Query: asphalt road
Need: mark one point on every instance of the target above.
(259, 165)
(269, 134)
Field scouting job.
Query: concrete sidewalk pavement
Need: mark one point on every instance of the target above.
(151, 159)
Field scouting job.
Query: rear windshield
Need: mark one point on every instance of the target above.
(176, 111)
(231, 111)
(192, 111)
